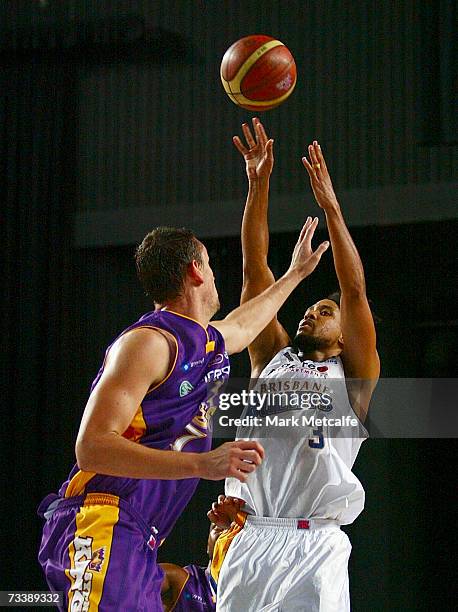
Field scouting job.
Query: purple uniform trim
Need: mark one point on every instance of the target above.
(197, 594)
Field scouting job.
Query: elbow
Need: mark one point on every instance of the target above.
(84, 454)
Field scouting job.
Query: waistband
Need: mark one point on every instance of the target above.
(292, 524)
(53, 503)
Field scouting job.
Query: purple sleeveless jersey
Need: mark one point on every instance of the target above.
(174, 414)
(198, 594)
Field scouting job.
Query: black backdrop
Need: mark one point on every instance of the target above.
(62, 306)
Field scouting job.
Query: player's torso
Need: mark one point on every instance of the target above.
(174, 415)
(311, 437)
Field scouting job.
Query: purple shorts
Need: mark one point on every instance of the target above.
(98, 550)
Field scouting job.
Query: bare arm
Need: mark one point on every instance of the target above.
(359, 353)
(175, 577)
(257, 276)
(137, 361)
(243, 324)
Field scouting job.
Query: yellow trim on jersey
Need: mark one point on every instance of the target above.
(165, 309)
(160, 329)
(134, 432)
(232, 87)
(181, 591)
(91, 543)
(173, 364)
(137, 426)
(78, 483)
(223, 542)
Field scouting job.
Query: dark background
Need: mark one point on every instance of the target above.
(112, 106)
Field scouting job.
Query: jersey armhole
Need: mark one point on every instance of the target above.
(167, 335)
(180, 592)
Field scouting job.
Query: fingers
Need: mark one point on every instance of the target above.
(238, 143)
(250, 445)
(320, 156)
(308, 229)
(316, 167)
(248, 137)
(259, 131)
(308, 167)
(320, 250)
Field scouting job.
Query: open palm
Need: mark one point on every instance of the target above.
(258, 153)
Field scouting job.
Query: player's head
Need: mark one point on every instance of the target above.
(319, 328)
(213, 535)
(171, 262)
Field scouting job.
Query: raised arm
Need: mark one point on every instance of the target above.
(359, 353)
(137, 361)
(257, 276)
(246, 322)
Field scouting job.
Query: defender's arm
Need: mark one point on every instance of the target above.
(246, 322)
(136, 362)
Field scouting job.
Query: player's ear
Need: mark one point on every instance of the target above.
(195, 271)
(340, 341)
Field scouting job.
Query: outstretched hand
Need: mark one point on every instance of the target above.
(258, 153)
(304, 259)
(319, 177)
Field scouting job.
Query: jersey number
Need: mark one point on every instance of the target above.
(318, 440)
(191, 432)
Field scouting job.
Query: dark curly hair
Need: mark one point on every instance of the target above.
(161, 261)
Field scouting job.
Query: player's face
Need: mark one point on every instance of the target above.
(213, 535)
(211, 293)
(320, 326)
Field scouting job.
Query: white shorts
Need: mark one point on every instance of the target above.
(273, 565)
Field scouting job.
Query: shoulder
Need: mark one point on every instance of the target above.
(143, 341)
(174, 572)
(175, 578)
(142, 349)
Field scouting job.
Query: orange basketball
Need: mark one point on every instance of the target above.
(258, 72)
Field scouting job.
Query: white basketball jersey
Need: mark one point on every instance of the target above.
(306, 472)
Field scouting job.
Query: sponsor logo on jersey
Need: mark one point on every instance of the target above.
(219, 358)
(196, 597)
(308, 368)
(98, 557)
(185, 388)
(218, 374)
(192, 364)
(311, 365)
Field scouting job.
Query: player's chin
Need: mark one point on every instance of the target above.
(304, 332)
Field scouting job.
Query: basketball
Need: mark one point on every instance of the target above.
(258, 72)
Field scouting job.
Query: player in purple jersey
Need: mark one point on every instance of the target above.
(192, 588)
(144, 439)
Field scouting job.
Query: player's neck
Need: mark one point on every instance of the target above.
(319, 354)
(189, 308)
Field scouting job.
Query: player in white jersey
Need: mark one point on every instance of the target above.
(291, 554)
